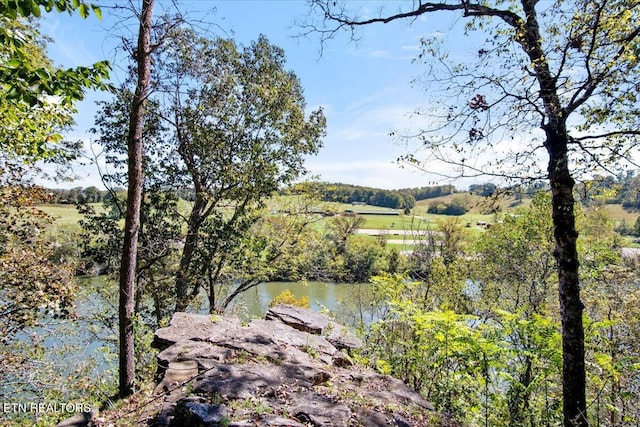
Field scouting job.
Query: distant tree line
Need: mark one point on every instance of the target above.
(82, 195)
(622, 189)
(423, 193)
(395, 199)
(347, 193)
(77, 195)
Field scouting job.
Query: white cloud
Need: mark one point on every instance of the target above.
(412, 47)
(379, 54)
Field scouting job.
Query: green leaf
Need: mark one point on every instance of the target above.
(35, 9)
(97, 11)
(83, 10)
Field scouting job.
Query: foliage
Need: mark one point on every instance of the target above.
(346, 193)
(36, 98)
(463, 363)
(29, 131)
(441, 257)
(34, 282)
(515, 268)
(458, 206)
(286, 297)
(25, 80)
(485, 190)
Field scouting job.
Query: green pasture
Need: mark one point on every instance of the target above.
(618, 214)
(399, 222)
(67, 217)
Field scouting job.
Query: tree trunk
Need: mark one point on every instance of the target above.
(183, 276)
(566, 254)
(134, 196)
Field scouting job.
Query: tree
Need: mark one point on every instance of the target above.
(573, 78)
(126, 358)
(225, 129)
(239, 128)
(514, 264)
(36, 104)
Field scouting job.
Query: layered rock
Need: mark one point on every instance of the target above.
(292, 369)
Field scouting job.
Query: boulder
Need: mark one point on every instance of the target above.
(298, 318)
(342, 337)
(82, 419)
(191, 412)
(287, 370)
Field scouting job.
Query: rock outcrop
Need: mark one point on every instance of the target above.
(292, 369)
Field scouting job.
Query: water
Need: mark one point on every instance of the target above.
(332, 297)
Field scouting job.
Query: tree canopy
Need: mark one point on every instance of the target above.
(551, 79)
(226, 122)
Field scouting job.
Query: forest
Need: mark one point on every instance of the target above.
(513, 303)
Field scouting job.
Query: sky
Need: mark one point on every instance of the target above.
(365, 87)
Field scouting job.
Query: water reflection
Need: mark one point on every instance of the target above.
(322, 296)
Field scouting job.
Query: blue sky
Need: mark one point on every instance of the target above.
(365, 87)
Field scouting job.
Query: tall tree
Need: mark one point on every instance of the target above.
(134, 196)
(241, 131)
(569, 69)
(225, 127)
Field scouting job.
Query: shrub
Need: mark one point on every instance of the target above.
(286, 297)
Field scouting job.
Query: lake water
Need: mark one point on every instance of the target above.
(338, 299)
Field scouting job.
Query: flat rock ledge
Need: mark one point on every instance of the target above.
(292, 369)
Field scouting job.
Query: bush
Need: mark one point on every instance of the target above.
(286, 297)
(457, 206)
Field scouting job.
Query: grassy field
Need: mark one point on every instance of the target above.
(618, 214)
(67, 216)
